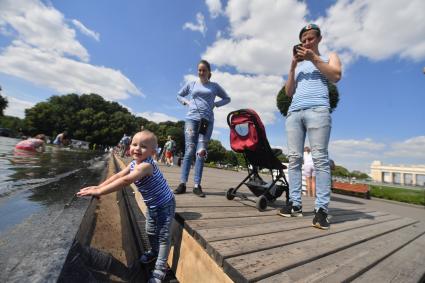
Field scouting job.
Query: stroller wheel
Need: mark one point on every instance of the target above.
(261, 203)
(230, 194)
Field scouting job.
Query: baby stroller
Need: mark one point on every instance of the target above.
(248, 136)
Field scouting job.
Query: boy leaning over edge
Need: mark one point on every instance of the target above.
(156, 193)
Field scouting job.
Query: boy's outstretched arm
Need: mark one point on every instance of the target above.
(118, 181)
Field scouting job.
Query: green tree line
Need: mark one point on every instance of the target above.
(90, 118)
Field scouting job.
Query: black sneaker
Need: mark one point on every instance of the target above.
(290, 211)
(181, 189)
(148, 257)
(320, 219)
(198, 191)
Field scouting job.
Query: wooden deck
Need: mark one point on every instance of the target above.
(217, 240)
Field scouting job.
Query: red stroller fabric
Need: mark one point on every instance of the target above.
(250, 141)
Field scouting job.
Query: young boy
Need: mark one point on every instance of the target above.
(159, 199)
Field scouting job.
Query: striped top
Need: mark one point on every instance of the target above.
(154, 189)
(311, 88)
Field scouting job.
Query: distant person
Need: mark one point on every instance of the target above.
(124, 144)
(200, 97)
(158, 154)
(309, 172)
(309, 114)
(36, 143)
(170, 148)
(62, 139)
(157, 195)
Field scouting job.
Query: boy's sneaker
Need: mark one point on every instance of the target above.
(320, 219)
(148, 257)
(181, 189)
(290, 211)
(198, 191)
(157, 276)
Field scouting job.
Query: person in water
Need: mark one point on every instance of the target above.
(156, 193)
(36, 143)
(62, 139)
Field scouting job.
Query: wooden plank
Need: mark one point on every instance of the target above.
(234, 214)
(230, 222)
(246, 221)
(406, 265)
(234, 247)
(262, 264)
(206, 209)
(346, 264)
(219, 234)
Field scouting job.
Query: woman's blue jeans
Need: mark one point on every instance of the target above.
(158, 228)
(194, 143)
(315, 122)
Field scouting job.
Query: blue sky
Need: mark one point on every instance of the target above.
(139, 53)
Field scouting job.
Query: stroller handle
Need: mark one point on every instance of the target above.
(229, 116)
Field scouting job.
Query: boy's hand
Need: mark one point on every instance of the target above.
(89, 191)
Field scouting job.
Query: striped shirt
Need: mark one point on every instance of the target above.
(311, 88)
(154, 189)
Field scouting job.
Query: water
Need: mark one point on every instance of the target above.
(37, 225)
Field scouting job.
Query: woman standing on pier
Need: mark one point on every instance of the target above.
(199, 96)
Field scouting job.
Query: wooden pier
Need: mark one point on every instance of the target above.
(217, 240)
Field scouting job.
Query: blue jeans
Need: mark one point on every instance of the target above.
(194, 142)
(316, 123)
(158, 226)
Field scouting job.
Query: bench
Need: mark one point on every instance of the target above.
(355, 189)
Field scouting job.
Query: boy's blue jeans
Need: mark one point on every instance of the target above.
(158, 228)
(316, 123)
(194, 143)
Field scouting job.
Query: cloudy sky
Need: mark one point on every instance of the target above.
(139, 53)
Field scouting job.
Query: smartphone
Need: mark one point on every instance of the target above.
(294, 51)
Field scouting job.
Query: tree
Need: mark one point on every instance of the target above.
(340, 171)
(87, 117)
(283, 101)
(216, 152)
(3, 104)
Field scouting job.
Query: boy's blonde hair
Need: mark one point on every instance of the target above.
(150, 137)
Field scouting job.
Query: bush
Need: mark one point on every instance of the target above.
(399, 194)
(283, 101)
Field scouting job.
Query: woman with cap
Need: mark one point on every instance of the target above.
(309, 114)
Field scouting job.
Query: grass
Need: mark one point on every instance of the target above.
(397, 194)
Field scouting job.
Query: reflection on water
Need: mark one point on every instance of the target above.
(30, 181)
(37, 226)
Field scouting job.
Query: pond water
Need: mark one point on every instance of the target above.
(39, 215)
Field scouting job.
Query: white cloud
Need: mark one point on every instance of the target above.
(63, 74)
(158, 117)
(246, 91)
(86, 31)
(262, 33)
(359, 154)
(41, 26)
(214, 7)
(377, 29)
(45, 52)
(16, 107)
(412, 148)
(199, 26)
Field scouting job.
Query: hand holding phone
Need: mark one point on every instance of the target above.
(295, 51)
